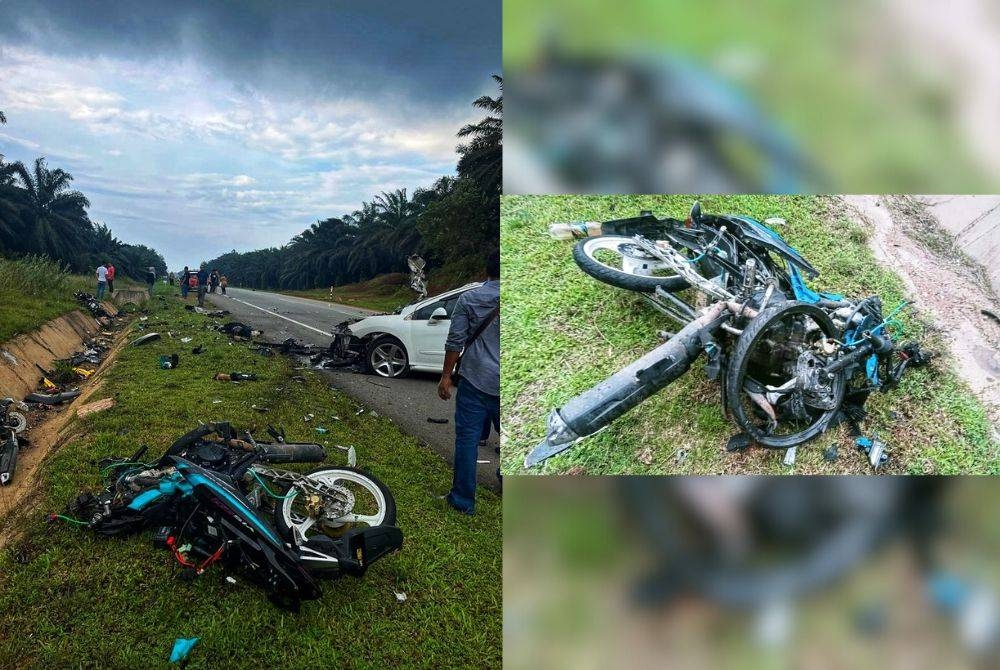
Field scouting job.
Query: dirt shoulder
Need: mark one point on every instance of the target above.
(947, 286)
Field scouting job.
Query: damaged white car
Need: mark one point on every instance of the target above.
(390, 345)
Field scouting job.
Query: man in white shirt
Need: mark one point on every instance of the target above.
(102, 280)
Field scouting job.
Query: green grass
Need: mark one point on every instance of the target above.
(33, 291)
(384, 293)
(388, 292)
(563, 332)
(70, 599)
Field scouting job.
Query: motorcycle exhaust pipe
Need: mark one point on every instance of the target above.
(289, 452)
(596, 408)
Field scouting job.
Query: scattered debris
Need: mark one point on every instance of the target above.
(360, 411)
(262, 410)
(830, 453)
(145, 339)
(308, 417)
(169, 362)
(875, 449)
(321, 430)
(182, 647)
(8, 356)
(790, 456)
(96, 406)
(400, 596)
(431, 419)
(235, 377)
(237, 330)
(185, 340)
(52, 399)
(197, 350)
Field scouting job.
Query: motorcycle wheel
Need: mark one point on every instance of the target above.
(616, 260)
(373, 502)
(761, 357)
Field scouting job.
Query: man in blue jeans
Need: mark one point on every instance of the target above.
(478, 398)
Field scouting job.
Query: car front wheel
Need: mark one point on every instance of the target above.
(387, 357)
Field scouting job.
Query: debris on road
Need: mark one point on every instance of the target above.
(237, 330)
(94, 407)
(197, 350)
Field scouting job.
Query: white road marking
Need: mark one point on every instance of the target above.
(280, 316)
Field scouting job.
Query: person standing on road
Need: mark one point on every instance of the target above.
(223, 283)
(202, 285)
(185, 277)
(214, 279)
(111, 280)
(102, 280)
(475, 337)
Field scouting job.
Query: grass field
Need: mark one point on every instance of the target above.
(70, 599)
(33, 291)
(388, 292)
(563, 332)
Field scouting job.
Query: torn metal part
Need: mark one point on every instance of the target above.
(145, 339)
(875, 449)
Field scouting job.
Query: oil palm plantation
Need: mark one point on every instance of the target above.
(53, 215)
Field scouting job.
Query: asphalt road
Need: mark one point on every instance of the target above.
(408, 402)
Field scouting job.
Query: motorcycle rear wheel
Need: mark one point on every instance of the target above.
(378, 507)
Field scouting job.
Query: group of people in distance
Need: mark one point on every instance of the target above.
(106, 279)
(201, 282)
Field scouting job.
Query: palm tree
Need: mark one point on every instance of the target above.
(54, 214)
(482, 158)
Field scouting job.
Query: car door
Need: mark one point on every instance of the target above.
(429, 335)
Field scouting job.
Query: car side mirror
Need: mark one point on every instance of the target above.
(439, 314)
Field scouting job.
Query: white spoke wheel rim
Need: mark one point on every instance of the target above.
(630, 256)
(388, 359)
(366, 493)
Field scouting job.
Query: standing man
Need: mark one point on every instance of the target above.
(102, 280)
(111, 280)
(214, 279)
(184, 282)
(202, 285)
(150, 278)
(223, 283)
(475, 336)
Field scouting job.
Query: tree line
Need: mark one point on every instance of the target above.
(41, 214)
(454, 222)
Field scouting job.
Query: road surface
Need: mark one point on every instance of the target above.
(408, 402)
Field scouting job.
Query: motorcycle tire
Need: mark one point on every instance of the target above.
(739, 360)
(619, 278)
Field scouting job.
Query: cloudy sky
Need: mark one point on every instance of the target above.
(197, 127)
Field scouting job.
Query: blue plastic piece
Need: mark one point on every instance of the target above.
(947, 591)
(865, 442)
(803, 292)
(195, 479)
(871, 369)
(182, 647)
(167, 486)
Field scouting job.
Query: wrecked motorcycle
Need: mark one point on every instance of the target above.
(210, 498)
(12, 424)
(792, 361)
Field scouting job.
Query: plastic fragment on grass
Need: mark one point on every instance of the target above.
(185, 340)
(400, 596)
(321, 430)
(182, 647)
